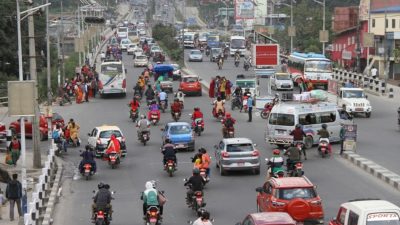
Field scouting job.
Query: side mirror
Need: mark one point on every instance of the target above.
(259, 189)
(162, 192)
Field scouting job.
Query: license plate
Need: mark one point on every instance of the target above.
(359, 109)
(153, 220)
(241, 164)
(100, 216)
(87, 171)
(180, 146)
(154, 116)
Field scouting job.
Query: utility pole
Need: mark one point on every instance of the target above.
(62, 45)
(32, 69)
(358, 47)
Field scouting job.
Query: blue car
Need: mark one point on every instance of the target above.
(180, 134)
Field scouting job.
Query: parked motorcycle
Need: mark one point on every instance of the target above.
(265, 112)
(323, 147)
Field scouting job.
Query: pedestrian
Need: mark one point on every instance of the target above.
(86, 90)
(342, 138)
(14, 149)
(250, 101)
(374, 72)
(222, 88)
(14, 195)
(2, 202)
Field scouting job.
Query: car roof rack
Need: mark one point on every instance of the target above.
(364, 199)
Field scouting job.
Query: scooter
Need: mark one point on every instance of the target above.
(236, 103)
(154, 117)
(87, 171)
(163, 105)
(133, 115)
(265, 113)
(323, 147)
(152, 215)
(297, 171)
(144, 137)
(170, 167)
(113, 159)
(176, 116)
(198, 126)
(207, 51)
(229, 132)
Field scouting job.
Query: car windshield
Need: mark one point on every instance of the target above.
(291, 193)
(246, 83)
(195, 52)
(383, 218)
(216, 51)
(155, 48)
(108, 133)
(281, 119)
(57, 116)
(283, 77)
(246, 147)
(318, 66)
(111, 68)
(188, 37)
(353, 94)
(180, 129)
(190, 79)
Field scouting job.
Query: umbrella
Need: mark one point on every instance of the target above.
(163, 68)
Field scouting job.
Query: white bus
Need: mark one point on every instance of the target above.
(112, 77)
(122, 32)
(237, 43)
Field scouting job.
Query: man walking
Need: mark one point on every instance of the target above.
(342, 137)
(250, 107)
(14, 195)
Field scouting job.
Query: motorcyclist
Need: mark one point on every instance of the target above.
(134, 104)
(58, 136)
(294, 155)
(324, 133)
(137, 90)
(150, 198)
(219, 105)
(246, 61)
(298, 135)
(113, 145)
(102, 201)
(246, 92)
(169, 152)
(196, 184)
(276, 162)
(141, 82)
(237, 56)
(154, 108)
(204, 218)
(176, 107)
(149, 93)
(88, 157)
(205, 160)
(143, 126)
(238, 92)
(227, 123)
(163, 96)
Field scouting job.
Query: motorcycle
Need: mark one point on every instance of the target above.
(207, 51)
(220, 63)
(163, 105)
(87, 171)
(297, 170)
(170, 167)
(101, 218)
(219, 115)
(244, 103)
(113, 159)
(265, 113)
(152, 215)
(196, 201)
(203, 173)
(176, 116)
(236, 103)
(154, 117)
(61, 147)
(237, 62)
(133, 115)
(64, 99)
(323, 147)
(144, 137)
(198, 126)
(278, 174)
(229, 132)
(246, 65)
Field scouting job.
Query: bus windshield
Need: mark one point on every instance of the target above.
(238, 43)
(188, 37)
(246, 84)
(318, 66)
(212, 38)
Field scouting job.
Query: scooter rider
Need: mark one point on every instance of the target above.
(88, 157)
(176, 107)
(150, 198)
(227, 123)
(237, 56)
(197, 114)
(294, 155)
(196, 183)
(149, 93)
(163, 96)
(134, 104)
(324, 133)
(298, 135)
(154, 108)
(169, 153)
(102, 201)
(276, 162)
(143, 126)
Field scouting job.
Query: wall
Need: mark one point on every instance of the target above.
(379, 28)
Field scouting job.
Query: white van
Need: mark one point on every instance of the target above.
(112, 77)
(284, 117)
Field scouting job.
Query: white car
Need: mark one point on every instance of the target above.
(124, 44)
(154, 49)
(137, 52)
(140, 60)
(131, 49)
(99, 137)
(281, 81)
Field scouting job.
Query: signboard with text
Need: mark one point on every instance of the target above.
(266, 54)
(244, 9)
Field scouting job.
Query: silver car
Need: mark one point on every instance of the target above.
(195, 55)
(237, 154)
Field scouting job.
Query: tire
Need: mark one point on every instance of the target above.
(264, 115)
(257, 171)
(368, 114)
(308, 142)
(222, 172)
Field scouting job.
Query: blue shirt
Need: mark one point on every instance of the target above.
(250, 102)
(162, 96)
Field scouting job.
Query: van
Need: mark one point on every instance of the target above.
(250, 82)
(284, 117)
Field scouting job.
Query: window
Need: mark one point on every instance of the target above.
(246, 147)
(353, 40)
(393, 23)
(373, 22)
(108, 133)
(281, 119)
(353, 218)
(304, 193)
(180, 129)
(342, 216)
(327, 117)
(307, 119)
(386, 23)
(349, 40)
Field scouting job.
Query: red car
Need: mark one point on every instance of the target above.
(16, 128)
(190, 84)
(2, 131)
(268, 218)
(294, 195)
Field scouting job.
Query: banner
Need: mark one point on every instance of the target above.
(244, 9)
(266, 54)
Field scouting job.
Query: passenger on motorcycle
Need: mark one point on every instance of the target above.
(169, 152)
(176, 107)
(113, 145)
(102, 201)
(204, 219)
(163, 96)
(137, 90)
(150, 198)
(205, 160)
(74, 131)
(298, 135)
(294, 155)
(58, 137)
(153, 108)
(196, 184)
(141, 82)
(87, 157)
(143, 126)
(227, 123)
(219, 105)
(247, 92)
(276, 162)
(324, 133)
(149, 93)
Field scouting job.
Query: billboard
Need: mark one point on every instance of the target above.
(266, 55)
(244, 9)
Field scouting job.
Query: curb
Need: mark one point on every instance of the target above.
(54, 195)
(374, 169)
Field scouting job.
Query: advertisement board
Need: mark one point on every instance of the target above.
(266, 55)
(244, 9)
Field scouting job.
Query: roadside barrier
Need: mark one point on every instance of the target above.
(374, 86)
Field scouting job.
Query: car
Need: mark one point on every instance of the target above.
(98, 139)
(195, 56)
(232, 154)
(137, 52)
(3, 132)
(142, 39)
(125, 43)
(154, 49)
(282, 81)
(180, 134)
(214, 53)
(131, 49)
(140, 60)
(268, 218)
(294, 195)
(15, 126)
(150, 40)
(176, 74)
(367, 211)
(190, 84)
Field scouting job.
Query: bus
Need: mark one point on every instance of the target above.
(112, 77)
(237, 43)
(312, 67)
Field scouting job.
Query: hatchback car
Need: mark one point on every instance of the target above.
(180, 134)
(294, 195)
(15, 126)
(99, 137)
(125, 43)
(232, 154)
(190, 84)
(268, 218)
(140, 60)
(137, 52)
(195, 56)
(131, 49)
(154, 49)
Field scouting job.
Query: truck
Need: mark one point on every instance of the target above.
(213, 41)
(352, 100)
(189, 39)
(203, 37)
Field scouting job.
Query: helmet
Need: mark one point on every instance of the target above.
(167, 141)
(100, 185)
(176, 100)
(205, 216)
(196, 171)
(142, 116)
(324, 126)
(201, 211)
(196, 108)
(298, 126)
(202, 150)
(87, 147)
(276, 152)
(228, 115)
(107, 186)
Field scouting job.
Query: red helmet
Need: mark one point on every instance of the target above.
(276, 152)
(228, 115)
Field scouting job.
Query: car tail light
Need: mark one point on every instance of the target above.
(124, 83)
(278, 204)
(316, 202)
(255, 153)
(225, 155)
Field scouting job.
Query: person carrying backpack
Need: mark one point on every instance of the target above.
(14, 195)
(227, 123)
(150, 198)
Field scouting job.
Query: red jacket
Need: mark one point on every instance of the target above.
(197, 115)
(176, 107)
(134, 105)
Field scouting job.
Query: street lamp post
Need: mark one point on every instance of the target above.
(323, 22)
(291, 21)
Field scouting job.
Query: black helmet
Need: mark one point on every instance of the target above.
(100, 185)
(324, 126)
(298, 126)
(202, 150)
(87, 147)
(201, 211)
(167, 141)
(107, 186)
(196, 171)
(205, 216)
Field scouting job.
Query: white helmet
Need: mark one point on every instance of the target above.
(142, 116)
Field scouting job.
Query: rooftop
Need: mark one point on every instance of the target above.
(392, 9)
